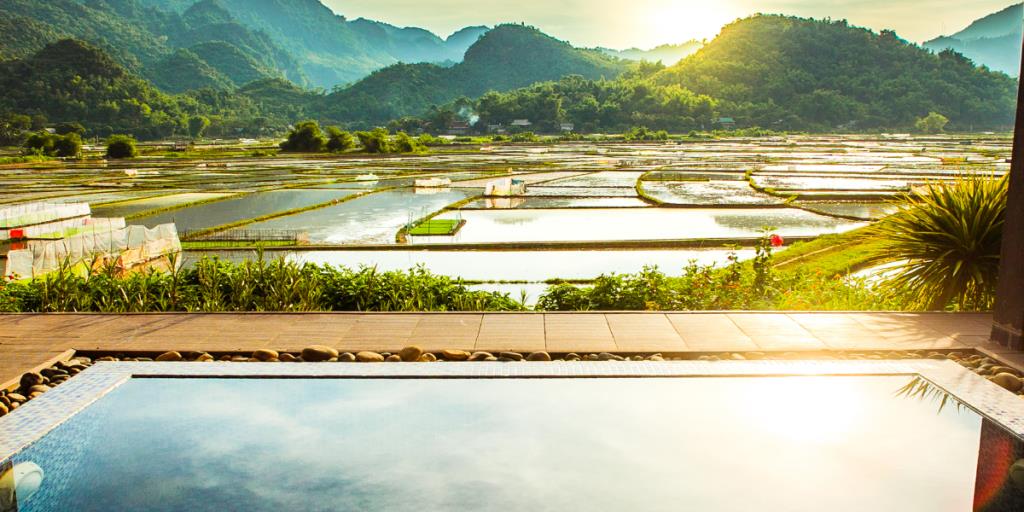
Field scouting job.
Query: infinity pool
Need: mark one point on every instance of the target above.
(837, 443)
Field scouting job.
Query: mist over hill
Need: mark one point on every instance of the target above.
(993, 41)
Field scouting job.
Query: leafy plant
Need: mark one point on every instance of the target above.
(946, 240)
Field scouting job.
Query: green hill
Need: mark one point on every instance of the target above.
(506, 57)
(184, 71)
(72, 81)
(795, 73)
(147, 40)
(333, 50)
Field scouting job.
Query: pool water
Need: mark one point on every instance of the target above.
(709, 444)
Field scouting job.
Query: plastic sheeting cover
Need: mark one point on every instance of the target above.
(132, 246)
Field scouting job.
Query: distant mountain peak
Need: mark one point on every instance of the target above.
(1006, 21)
(993, 41)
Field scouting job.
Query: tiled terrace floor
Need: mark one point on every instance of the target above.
(27, 340)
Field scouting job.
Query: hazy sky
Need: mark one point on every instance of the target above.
(646, 23)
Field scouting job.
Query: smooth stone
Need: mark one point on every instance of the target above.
(205, 358)
(480, 356)
(455, 355)
(39, 388)
(239, 359)
(515, 356)
(31, 379)
(1003, 369)
(347, 357)
(225, 357)
(264, 354)
(4, 410)
(607, 356)
(16, 397)
(169, 356)
(737, 357)
(1008, 381)
(538, 356)
(656, 357)
(410, 354)
(572, 356)
(428, 358)
(490, 358)
(318, 353)
(393, 358)
(370, 357)
(287, 358)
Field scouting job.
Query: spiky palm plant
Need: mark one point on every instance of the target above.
(946, 240)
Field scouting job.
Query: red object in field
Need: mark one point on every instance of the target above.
(777, 241)
(17, 234)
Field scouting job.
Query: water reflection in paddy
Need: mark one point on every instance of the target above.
(246, 207)
(154, 203)
(634, 224)
(706, 192)
(500, 203)
(374, 218)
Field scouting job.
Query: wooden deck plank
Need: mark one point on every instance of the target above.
(28, 340)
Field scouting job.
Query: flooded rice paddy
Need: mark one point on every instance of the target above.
(583, 193)
(618, 224)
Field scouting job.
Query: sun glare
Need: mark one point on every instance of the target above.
(676, 22)
(800, 409)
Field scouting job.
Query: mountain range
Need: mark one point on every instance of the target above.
(994, 41)
(255, 66)
(667, 54)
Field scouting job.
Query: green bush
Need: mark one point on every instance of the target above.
(39, 143)
(339, 140)
(934, 122)
(642, 133)
(305, 137)
(252, 285)
(525, 137)
(403, 143)
(738, 285)
(43, 143)
(427, 139)
(121, 146)
(68, 145)
(377, 140)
